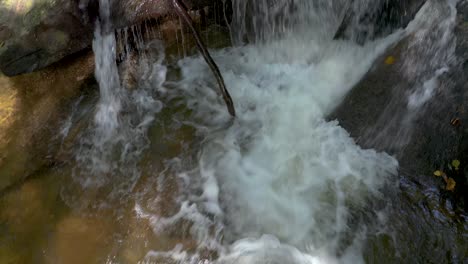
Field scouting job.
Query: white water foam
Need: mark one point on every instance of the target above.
(280, 181)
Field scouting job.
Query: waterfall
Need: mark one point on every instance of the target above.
(110, 148)
(107, 75)
(265, 20)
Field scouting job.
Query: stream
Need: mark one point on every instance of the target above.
(158, 171)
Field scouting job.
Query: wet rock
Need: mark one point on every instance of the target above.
(130, 12)
(45, 32)
(125, 13)
(366, 21)
(8, 101)
(380, 113)
(32, 107)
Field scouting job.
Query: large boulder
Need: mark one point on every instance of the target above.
(413, 104)
(37, 33)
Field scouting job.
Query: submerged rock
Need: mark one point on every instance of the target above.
(28, 213)
(91, 236)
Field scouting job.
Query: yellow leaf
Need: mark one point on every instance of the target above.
(451, 184)
(438, 173)
(456, 164)
(390, 60)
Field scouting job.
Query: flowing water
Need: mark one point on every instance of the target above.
(163, 175)
(429, 55)
(280, 183)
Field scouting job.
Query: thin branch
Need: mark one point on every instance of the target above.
(181, 10)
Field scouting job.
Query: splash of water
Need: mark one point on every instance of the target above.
(110, 102)
(281, 183)
(110, 148)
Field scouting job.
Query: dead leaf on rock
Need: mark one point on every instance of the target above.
(456, 164)
(451, 184)
(390, 60)
(455, 122)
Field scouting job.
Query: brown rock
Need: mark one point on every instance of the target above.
(31, 109)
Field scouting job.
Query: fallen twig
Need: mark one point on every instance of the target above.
(181, 10)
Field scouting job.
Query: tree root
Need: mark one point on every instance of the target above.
(181, 11)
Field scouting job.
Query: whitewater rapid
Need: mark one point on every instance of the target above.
(279, 182)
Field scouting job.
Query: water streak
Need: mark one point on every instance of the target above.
(110, 148)
(429, 54)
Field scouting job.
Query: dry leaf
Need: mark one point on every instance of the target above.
(451, 184)
(390, 60)
(438, 173)
(455, 122)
